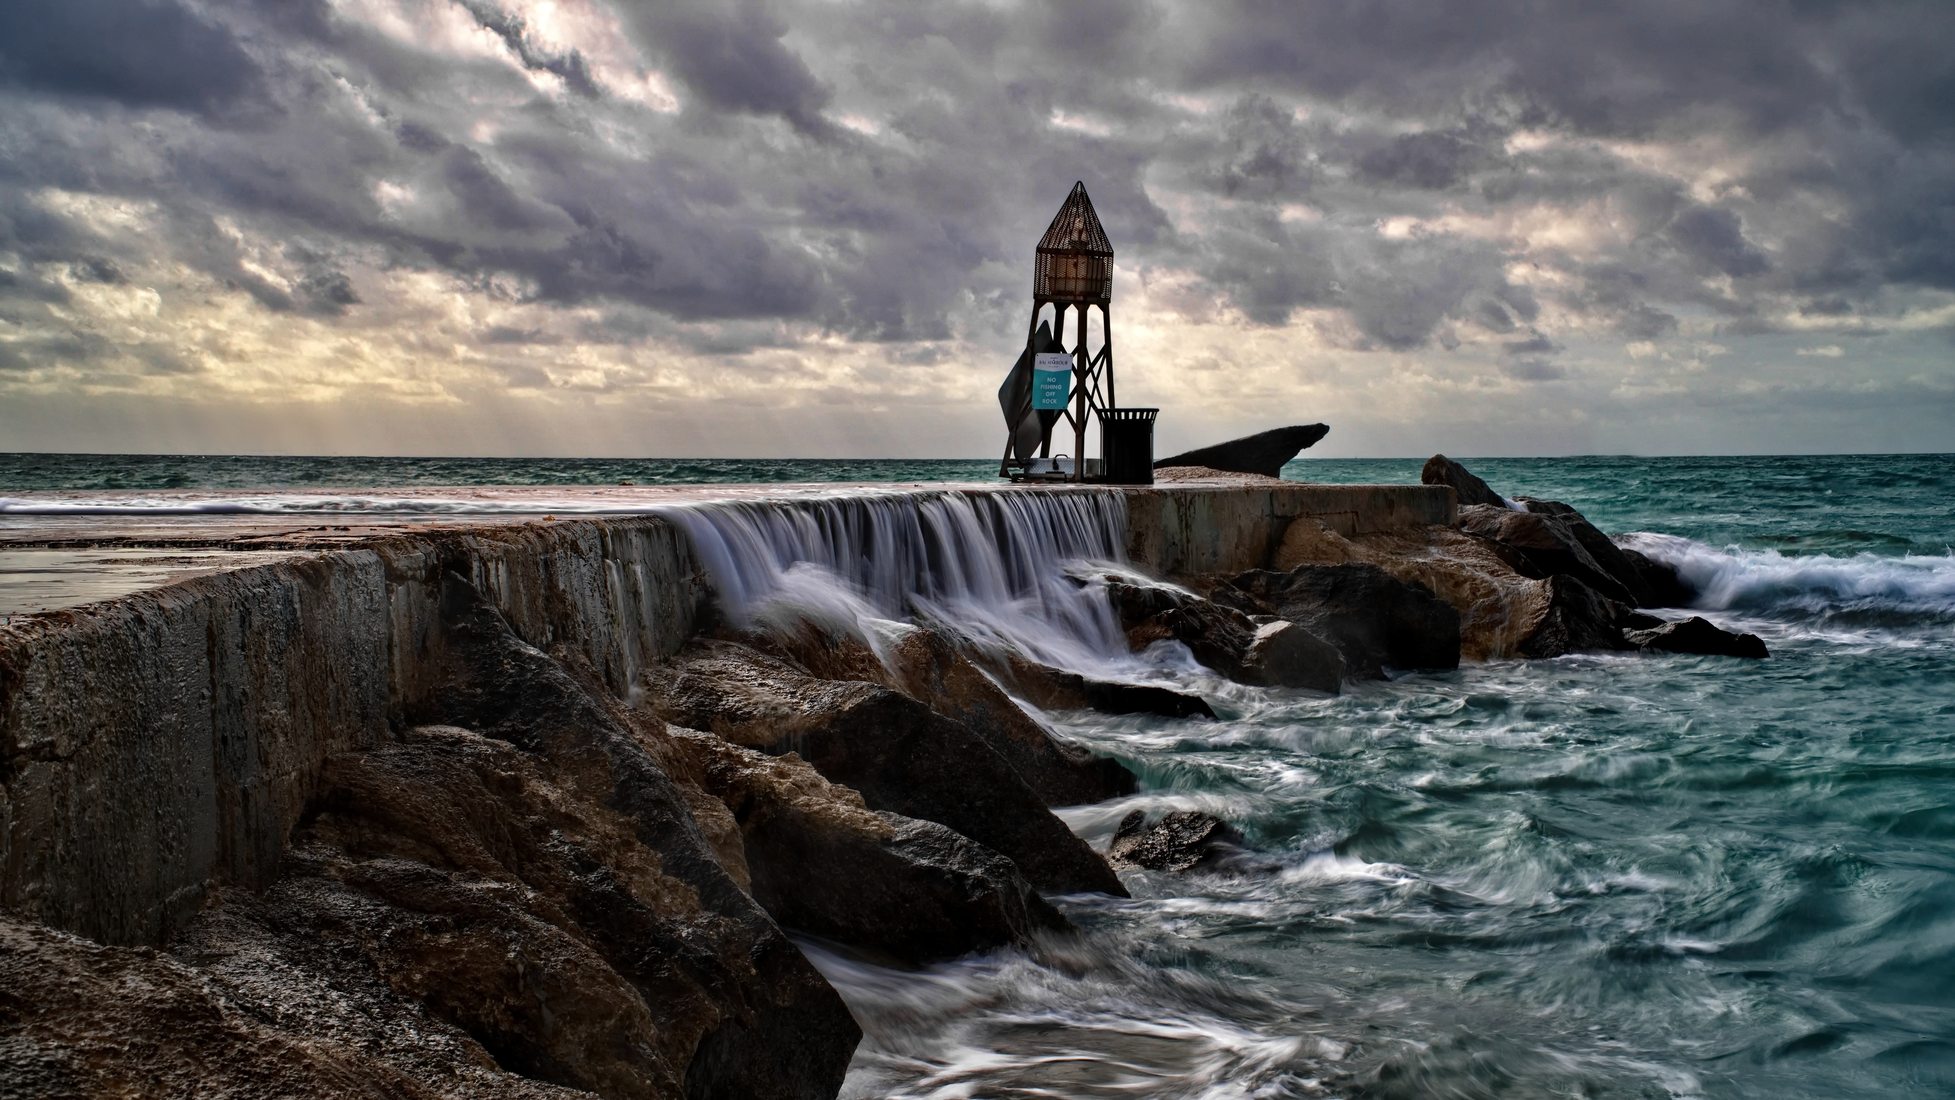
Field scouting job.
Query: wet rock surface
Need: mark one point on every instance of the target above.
(1263, 453)
(1373, 618)
(1270, 653)
(927, 666)
(898, 753)
(1697, 635)
(820, 861)
(1181, 841)
(1440, 470)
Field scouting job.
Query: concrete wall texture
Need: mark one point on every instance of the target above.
(162, 743)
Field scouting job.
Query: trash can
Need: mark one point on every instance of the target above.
(1127, 438)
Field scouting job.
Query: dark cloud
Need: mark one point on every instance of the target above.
(1496, 176)
(730, 55)
(1717, 238)
(141, 53)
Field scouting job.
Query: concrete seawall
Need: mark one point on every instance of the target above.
(164, 742)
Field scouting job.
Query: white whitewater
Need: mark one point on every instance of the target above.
(991, 568)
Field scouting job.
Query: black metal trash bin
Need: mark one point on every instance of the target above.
(1127, 438)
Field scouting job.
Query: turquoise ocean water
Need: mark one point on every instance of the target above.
(1595, 876)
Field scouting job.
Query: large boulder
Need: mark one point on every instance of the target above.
(763, 1022)
(901, 755)
(1571, 617)
(1270, 653)
(1544, 544)
(1697, 635)
(820, 861)
(1440, 470)
(1181, 841)
(929, 667)
(1375, 620)
(1263, 453)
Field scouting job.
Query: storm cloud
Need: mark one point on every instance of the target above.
(678, 226)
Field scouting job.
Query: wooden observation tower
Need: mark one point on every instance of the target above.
(1073, 269)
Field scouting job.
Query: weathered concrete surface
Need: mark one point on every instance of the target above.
(1196, 529)
(162, 742)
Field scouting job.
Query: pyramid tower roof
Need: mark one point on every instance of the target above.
(1076, 227)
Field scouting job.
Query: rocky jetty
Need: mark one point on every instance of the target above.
(526, 811)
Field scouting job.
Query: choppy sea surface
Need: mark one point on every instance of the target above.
(1594, 876)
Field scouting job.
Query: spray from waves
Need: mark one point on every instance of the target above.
(1867, 589)
(988, 567)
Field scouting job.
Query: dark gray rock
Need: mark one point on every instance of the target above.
(1109, 697)
(1657, 584)
(1263, 453)
(1440, 470)
(1268, 654)
(819, 861)
(1057, 689)
(1180, 841)
(1578, 619)
(1374, 619)
(1696, 635)
(770, 1025)
(901, 755)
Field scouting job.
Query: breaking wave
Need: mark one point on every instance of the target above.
(1863, 587)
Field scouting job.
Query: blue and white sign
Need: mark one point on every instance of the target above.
(1052, 376)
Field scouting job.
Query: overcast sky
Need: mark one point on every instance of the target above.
(764, 228)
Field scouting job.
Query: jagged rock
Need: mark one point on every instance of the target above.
(901, 755)
(1574, 619)
(712, 962)
(1550, 538)
(1440, 470)
(1658, 584)
(1374, 619)
(1696, 635)
(912, 891)
(1545, 544)
(1181, 841)
(1057, 689)
(1270, 654)
(1263, 453)
(1109, 697)
(930, 668)
(81, 1019)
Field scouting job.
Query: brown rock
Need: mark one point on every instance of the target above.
(902, 756)
(771, 1025)
(929, 667)
(1180, 841)
(81, 1019)
(823, 863)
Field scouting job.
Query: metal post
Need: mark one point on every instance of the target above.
(1080, 400)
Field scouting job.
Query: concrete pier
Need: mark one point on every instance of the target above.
(170, 687)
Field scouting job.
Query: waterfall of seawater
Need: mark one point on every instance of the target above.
(990, 568)
(1606, 875)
